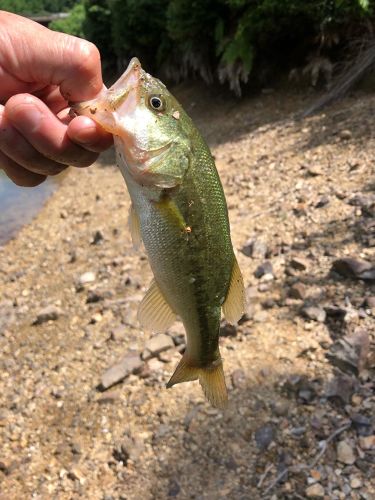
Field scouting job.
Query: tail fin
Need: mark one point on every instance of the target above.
(211, 379)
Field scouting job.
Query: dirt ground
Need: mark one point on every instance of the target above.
(300, 366)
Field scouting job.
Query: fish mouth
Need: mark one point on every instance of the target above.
(124, 93)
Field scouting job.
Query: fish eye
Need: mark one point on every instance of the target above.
(156, 103)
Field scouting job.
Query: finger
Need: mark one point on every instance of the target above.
(43, 130)
(34, 53)
(82, 130)
(19, 175)
(17, 148)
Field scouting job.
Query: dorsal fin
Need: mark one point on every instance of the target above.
(154, 312)
(235, 302)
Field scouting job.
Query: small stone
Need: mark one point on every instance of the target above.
(155, 365)
(345, 135)
(260, 317)
(367, 442)
(314, 313)
(96, 318)
(109, 397)
(355, 482)
(173, 488)
(298, 263)
(118, 334)
(75, 474)
(314, 170)
(49, 313)
(370, 302)
(158, 343)
(94, 296)
(227, 330)
(256, 249)
(322, 202)
(297, 291)
(263, 269)
(345, 453)
(354, 268)
(281, 408)
(264, 436)
(315, 491)
(239, 379)
(86, 278)
(129, 448)
(130, 363)
(97, 238)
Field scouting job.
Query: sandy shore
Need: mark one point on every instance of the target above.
(300, 366)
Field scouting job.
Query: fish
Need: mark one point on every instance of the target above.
(178, 210)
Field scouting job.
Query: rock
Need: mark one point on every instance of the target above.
(239, 379)
(297, 291)
(97, 238)
(173, 488)
(315, 491)
(263, 269)
(354, 268)
(108, 397)
(314, 170)
(158, 343)
(256, 249)
(362, 424)
(264, 436)
(281, 408)
(129, 448)
(345, 135)
(345, 453)
(227, 330)
(130, 363)
(370, 302)
(86, 278)
(340, 390)
(350, 352)
(355, 482)
(322, 202)
(118, 334)
(155, 365)
(298, 263)
(314, 313)
(49, 313)
(260, 317)
(367, 442)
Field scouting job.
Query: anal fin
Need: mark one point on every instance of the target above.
(235, 302)
(154, 312)
(135, 228)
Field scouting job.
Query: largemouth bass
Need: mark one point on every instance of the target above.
(179, 212)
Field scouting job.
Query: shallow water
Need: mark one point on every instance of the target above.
(19, 205)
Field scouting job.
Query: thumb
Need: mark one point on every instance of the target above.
(36, 54)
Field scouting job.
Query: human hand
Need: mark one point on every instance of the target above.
(40, 71)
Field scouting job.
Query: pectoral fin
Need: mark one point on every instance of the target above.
(135, 228)
(234, 305)
(154, 312)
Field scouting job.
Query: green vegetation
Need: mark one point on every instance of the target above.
(231, 40)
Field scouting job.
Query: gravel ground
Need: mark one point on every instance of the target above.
(84, 412)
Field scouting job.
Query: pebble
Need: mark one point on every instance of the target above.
(159, 343)
(118, 334)
(85, 278)
(355, 482)
(49, 313)
(227, 330)
(345, 135)
(155, 365)
(354, 268)
(297, 291)
(264, 269)
(264, 436)
(239, 379)
(299, 264)
(314, 313)
(256, 249)
(345, 453)
(130, 363)
(367, 442)
(315, 491)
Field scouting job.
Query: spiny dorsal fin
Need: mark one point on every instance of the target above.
(210, 378)
(234, 305)
(134, 227)
(154, 312)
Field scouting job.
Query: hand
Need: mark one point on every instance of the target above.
(40, 71)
